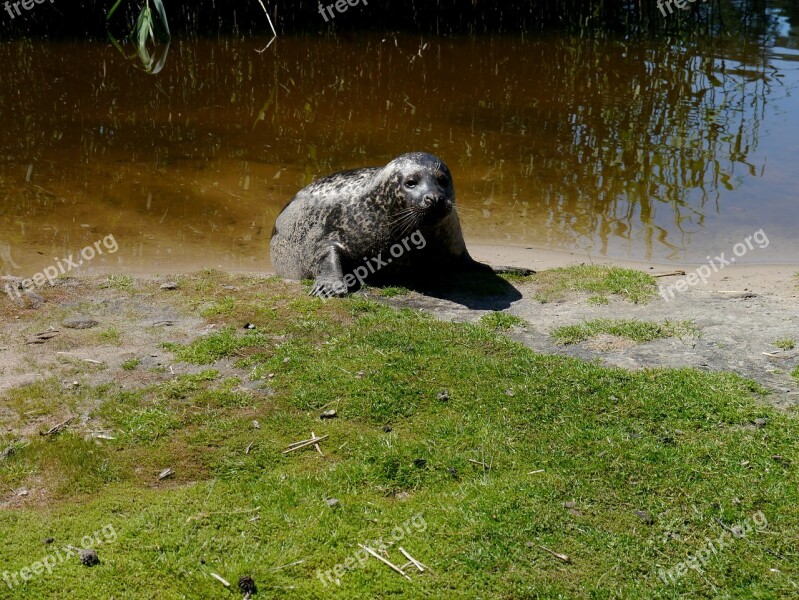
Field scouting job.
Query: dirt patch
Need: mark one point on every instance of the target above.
(739, 315)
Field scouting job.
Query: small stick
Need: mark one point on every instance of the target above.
(249, 447)
(383, 560)
(88, 360)
(477, 462)
(221, 580)
(305, 444)
(298, 562)
(673, 273)
(414, 562)
(564, 557)
(292, 444)
(318, 449)
(535, 472)
(57, 428)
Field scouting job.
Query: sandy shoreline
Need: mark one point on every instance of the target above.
(739, 277)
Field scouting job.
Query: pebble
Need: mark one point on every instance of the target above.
(80, 323)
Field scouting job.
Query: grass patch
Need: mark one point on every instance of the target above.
(131, 364)
(119, 282)
(111, 335)
(226, 343)
(638, 331)
(502, 321)
(549, 430)
(392, 291)
(601, 282)
(795, 373)
(787, 344)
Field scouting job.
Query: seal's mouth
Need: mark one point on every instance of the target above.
(411, 218)
(436, 207)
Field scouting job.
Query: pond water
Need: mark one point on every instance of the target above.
(652, 150)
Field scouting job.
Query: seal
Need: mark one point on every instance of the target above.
(396, 222)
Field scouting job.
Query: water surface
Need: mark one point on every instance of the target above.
(651, 150)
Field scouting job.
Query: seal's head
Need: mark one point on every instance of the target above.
(422, 188)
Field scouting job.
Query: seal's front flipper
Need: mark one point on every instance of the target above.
(329, 280)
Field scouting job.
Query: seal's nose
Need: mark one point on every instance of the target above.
(428, 201)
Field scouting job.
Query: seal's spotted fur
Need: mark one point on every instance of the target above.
(342, 219)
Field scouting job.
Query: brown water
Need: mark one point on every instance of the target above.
(641, 150)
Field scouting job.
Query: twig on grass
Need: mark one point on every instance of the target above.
(383, 560)
(413, 561)
(304, 444)
(56, 428)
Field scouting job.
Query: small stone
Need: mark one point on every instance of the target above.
(645, 516)
(80, 323)
(332, 502)
(387, 429)
(761, 422)
(443, 395)
(247, 585)
(249, 326)
(89, 558)
(256, 424)
(328, 414)
(510, 393)
(165, 473)
(169, 285)
(360, 374)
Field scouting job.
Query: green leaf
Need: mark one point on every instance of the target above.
(113, 10)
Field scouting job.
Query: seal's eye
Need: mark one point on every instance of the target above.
(411, 183)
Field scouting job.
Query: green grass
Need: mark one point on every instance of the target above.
(638, 331)
(131, 364)
(541, 430)
(119, 282)
(795, 373)
(502, 321)
(601, 282)
(787, 344)
(111, 335)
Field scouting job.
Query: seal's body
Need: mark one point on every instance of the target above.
(344, 223)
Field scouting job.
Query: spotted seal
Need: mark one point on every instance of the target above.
(396, 221)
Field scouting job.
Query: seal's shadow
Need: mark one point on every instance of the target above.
(474, 290)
